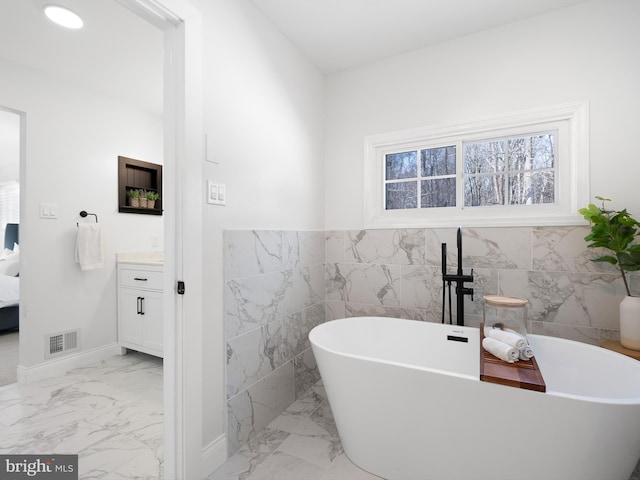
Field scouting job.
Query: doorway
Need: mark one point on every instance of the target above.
(182, 27)
(9, 254)
(180, 24)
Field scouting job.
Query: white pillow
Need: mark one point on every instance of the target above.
(16, 247)
(6, 254)
(10, 266)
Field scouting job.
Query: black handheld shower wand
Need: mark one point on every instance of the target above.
(459, 278)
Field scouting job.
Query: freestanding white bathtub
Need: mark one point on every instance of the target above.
(409, 404)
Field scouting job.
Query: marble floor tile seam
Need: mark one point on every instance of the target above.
(252, 454)
(272, 468)
(296, 430)
(90, 412)
(303, 464)
(67, 424)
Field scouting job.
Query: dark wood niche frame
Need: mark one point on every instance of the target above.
(138, 175)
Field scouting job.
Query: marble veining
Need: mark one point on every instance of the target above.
(570, 295)
(395, 247)
(301, 442)
(257, 252)
(334, 246)
(279, 284)
(253, 355)
(275, 292)
(254, 301)
(109, 413)
(364, 283)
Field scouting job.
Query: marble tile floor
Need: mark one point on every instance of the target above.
(9, 340)
(109, 413)
(302, 443)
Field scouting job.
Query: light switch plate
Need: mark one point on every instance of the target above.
(48, 210)
(216, 193)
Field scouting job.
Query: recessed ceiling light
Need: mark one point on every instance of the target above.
(63, 16)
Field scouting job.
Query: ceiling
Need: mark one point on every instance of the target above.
(340, 34)
(116, 53)
(120, 55)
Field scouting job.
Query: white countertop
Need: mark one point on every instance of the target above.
(145, 258)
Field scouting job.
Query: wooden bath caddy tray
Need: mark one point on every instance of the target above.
(522, 374)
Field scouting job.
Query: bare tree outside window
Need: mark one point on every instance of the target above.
(440, 192)
(522, 168)
(519, 170)
(514, 171)
(401, 194)
(438, 169)
(484, 166)
(401, 165)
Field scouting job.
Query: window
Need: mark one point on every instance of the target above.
(526, 168)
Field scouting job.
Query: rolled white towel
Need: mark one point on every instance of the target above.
(510, 338)
(526, 353)
(506, 329)
(501, 350)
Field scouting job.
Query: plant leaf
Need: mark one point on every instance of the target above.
(629, 261)
(607, 259)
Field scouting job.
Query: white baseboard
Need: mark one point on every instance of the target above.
(62, 365)
(214, 455)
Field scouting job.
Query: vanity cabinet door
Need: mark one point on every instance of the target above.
(140, 313)
(152, 321)
(129, 320)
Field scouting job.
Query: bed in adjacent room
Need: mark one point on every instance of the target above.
(9, 278)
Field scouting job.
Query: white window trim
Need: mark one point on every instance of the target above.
(572, 120)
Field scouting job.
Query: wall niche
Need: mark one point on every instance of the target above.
(139, 187)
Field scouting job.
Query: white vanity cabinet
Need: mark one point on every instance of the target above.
(140, 313)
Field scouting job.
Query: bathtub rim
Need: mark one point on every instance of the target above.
(387, 362)
(633, 401)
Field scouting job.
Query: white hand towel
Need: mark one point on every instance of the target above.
(510, 338)
(526, 353)
(501, 350)
(89, 246)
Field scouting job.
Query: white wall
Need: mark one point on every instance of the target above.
(264, 117)
(587, 52)
(9, 146)
(74, 138)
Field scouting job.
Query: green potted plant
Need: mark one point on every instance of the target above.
(134, 197)
(143, 198)
(616, 231)
(151, 199)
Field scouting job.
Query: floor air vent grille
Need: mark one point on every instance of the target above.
(60, 343)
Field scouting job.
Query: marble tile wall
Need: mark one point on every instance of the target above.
(275, 289)
(280, 284)
(398, 273)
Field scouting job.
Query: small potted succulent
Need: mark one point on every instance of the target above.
(143, 199)
(616, 231)
(134, 197)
